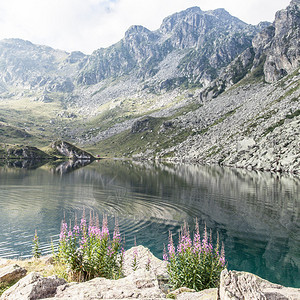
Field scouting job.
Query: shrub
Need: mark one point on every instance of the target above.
(36, 252)
(89, 251)
(195, 264)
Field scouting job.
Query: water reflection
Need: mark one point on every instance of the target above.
(63, 167)
(257, 214)
(56, 166)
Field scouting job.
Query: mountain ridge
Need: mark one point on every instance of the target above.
(178, 74)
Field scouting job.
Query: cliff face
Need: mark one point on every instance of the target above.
(280, 43)
(274, 53)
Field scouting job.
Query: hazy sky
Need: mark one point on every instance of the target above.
(87, 25)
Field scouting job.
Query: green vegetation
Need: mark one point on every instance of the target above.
(128, 143)
(89, 251)
(195, 264)
(5, 286)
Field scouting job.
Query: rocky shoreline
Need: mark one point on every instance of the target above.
(141, 283)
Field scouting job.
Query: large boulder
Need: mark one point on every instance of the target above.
(236, 285)
(140, 284)
(143, 257)
(33, 286)
(65, 149)
(11, 273)
(208, 294)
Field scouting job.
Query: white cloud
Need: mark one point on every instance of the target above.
(90, 24)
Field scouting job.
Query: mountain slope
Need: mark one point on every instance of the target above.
(204, 87)
(240, 120)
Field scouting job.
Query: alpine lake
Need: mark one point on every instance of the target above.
(257, 214)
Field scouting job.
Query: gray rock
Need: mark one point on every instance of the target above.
(140, 284)
(242, 285)
(32, 287)
(209, 294)
(11, 273)
(70, 151)
(144, 255)
(174, 294)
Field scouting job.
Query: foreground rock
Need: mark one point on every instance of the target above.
(33, 286)
(143, 256)
(209, 294)
(140, 284)
(243, 285)
(11, 273)
(146, 284)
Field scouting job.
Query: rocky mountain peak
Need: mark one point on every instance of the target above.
(295, 2)
(278, 45)
(136, 29)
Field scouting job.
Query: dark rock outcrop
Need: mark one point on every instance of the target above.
(33, 286)
(143, 124)
(23, 152)
(65, 149)
(11, 273)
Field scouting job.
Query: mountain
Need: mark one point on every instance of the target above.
(199, 42)
(203, 78)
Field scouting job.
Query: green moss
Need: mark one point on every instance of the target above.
(5, 286)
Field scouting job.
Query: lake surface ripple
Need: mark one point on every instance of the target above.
(256, 214)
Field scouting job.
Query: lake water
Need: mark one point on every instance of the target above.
(256, 214)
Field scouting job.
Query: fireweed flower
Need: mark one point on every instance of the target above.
(63, 231)
(171, 247)
(222, 258)
(105, 231)
(134, 259)
(82, 223)
(165, 255)
(88, 251)
(196, 264)
(148, 263)
(76, 229)
(116, 235)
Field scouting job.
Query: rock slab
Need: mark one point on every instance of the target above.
(33, 286)
(245, 286)
(140, 284)
(209, 294)
(11, 273)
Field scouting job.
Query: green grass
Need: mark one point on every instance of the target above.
(5, 286)
(126, 144)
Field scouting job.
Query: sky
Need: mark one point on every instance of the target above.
(87, 25)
